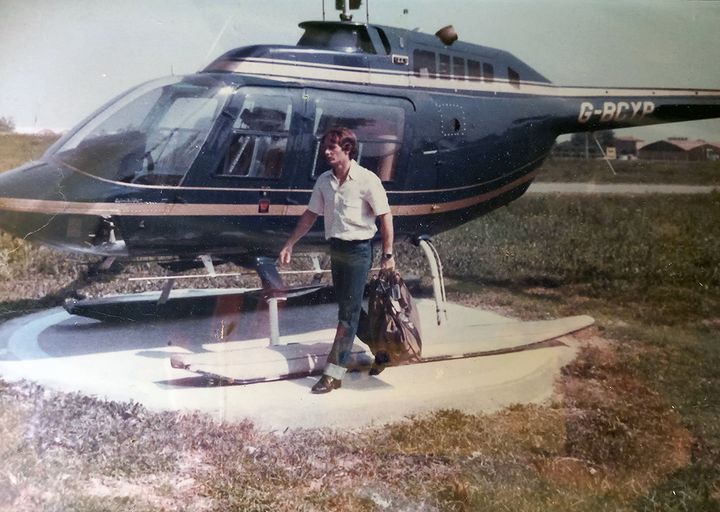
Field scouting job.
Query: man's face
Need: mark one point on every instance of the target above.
(334, 154)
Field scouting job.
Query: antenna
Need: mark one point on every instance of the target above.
(323, 9)
(367, 11)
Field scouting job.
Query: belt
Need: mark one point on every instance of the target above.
(341, 242)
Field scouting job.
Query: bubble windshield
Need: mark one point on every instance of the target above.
(151, 135)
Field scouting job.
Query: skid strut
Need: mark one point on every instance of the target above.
(436, 271)
(274, 290)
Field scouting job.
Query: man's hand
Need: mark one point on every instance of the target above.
(306, 221)
(286, 254)
(387, 264)
(388, 235)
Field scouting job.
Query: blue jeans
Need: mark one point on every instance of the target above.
(350, 265)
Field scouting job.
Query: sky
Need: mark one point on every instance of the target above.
(61, 59)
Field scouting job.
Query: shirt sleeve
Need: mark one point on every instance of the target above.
(317, 202)
(376, 196)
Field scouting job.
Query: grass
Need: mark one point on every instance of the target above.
(649, 271)
(636, 425)
(656, 254)
(17, 149)
(630, 171)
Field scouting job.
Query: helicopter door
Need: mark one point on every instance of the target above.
(255, 153)
(379, 124)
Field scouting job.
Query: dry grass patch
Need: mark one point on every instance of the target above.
(607, 443)
(452, 433)
(604, 445)
(616, 423)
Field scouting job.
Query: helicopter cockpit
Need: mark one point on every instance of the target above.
(151, 135)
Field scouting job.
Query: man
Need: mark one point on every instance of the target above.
(351, 198)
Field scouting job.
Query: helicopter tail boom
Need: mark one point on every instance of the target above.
(635, 107)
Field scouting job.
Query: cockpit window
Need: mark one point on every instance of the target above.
(351, 39)
(151, 135)
(259, 139)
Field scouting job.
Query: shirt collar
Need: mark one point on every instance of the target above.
(353, 166)
(353, 169)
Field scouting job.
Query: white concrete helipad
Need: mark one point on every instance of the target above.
(131, 362)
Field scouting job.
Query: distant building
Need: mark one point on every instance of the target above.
(626, 148)
(680, 149)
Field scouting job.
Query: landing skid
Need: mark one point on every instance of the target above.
(188, 303)
(252, 362)
(249, 362)
(456, 333)
(170, 303)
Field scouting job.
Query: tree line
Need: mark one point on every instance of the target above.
(7, 125)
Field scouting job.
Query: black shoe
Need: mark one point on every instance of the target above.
(376, 369)
(382, 358)
(325, 385)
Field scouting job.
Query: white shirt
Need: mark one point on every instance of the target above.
(349, 210)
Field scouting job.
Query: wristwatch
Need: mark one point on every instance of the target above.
(387, 256)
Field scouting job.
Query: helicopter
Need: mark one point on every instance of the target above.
(217, 166)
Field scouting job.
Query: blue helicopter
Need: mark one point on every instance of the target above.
(221, 163)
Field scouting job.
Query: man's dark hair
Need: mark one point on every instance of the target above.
(343, 137)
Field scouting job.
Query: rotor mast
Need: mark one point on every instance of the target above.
(345, 15)
(347, 6)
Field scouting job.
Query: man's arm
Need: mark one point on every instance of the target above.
(388, 236)
(306, 221)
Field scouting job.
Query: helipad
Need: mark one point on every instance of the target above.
(130, 361)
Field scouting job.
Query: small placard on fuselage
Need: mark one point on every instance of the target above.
(401, 60)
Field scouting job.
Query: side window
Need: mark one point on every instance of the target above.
(424, 63)
(379, 129)
(458, 70)
(514, 78)
(385, 41)
(474, 69)
(259, 139)
(444, 68)
(488, 72)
